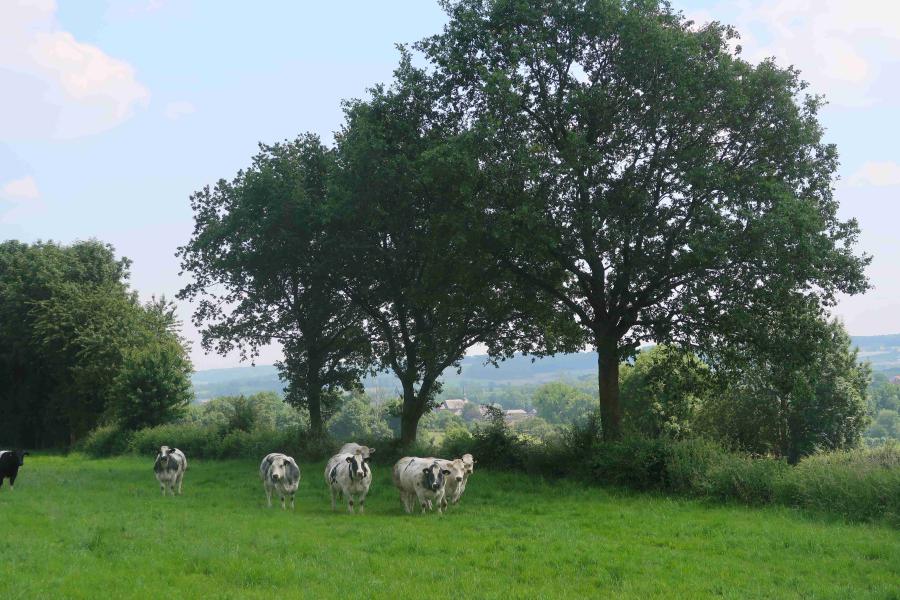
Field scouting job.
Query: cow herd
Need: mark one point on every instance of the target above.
(429, 483)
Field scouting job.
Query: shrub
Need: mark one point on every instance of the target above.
(856, 484)
(637, 463)
(106, 440)
(199, 442)
(746, 479)
(689, 462)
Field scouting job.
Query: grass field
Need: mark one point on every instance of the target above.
(79, 528)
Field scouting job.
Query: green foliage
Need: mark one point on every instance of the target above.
(106, 440)
(649, 180)
(267, 410)
(662, 392)
(358, 420)
(797, 388)
(75, 344)
(264, 256)
(558, 402)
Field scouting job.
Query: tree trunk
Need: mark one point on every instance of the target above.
(409, 418)
(608, 388)
(314, 401)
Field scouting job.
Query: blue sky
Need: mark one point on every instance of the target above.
(113, 111)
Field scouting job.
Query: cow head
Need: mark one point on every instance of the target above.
(358, 467)
(20, 456)
(164, 457)
(455, 470)
(434, 476)
(469, 462)
(279, 468)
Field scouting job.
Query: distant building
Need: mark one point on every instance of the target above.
(453, 405)
(896, 380)
(515, 415)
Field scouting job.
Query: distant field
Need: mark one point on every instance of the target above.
(76, 528)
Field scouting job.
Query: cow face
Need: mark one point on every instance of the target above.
(164, 459)
(469, 463)
(278, 470)
(358, 467)
(20, 456)
(434, 476)
(455, 470)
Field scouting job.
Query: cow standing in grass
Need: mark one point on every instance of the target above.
(10, 461)
(454, 476)
(348, 474)
(170, 465)
(280, 474)
(469, 463)
(422, 481)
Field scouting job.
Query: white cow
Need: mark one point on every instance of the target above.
(353, 447)
(169, 467)
(348, 474)
(455, 473)
(420, 480)
(469, 463)
(280, 474)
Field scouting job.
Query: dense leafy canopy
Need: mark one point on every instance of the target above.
(263, 259)
(645, 175)
(75, 345)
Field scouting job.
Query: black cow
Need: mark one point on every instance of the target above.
(10, 461)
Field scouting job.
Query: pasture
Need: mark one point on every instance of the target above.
(80, 528)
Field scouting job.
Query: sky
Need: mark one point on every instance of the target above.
(113, 111)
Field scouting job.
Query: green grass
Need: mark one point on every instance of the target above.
(82, 528)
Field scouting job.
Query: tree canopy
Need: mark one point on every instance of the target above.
(644, 174)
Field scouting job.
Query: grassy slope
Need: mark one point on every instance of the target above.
(81, 528)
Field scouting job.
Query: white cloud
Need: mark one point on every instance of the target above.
(55, 86)
(21, 189)
(878, 174)
(848, 50)
(176, 110)
(19, 198)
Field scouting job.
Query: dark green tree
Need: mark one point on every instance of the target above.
(791, 387)
(642, 173)
(263, 256)
(405, 184)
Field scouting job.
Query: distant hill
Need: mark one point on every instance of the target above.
(882, 351)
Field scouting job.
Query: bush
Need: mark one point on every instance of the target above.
(637, 463)
(856, 484)
(106, 440)
(198, 442)
(746, 479)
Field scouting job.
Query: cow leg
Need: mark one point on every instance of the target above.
(362, 503)
(292, 501)
(178, 480)
(333, 499)
(269, 496)
(422, 501)
(350, 502)
(283, 507)
(406, 499)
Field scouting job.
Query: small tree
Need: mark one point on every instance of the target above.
(263, 257)
(663, 391)
(558, 402)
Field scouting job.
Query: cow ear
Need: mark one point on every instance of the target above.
(371, 450)
(445, 472)
(349, 458)
(425, 470)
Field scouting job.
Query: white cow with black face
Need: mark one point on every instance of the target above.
(421, 481)
(348, 475)
(279, 474)
(454, 476)
(169, 467)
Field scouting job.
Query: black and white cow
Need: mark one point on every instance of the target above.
(348, 474)
(10, 461)
(279, 474)
(422, 481)
(169, 467)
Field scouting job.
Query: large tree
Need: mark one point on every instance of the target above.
(645, 175)
(263, 256)
(405, 186)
